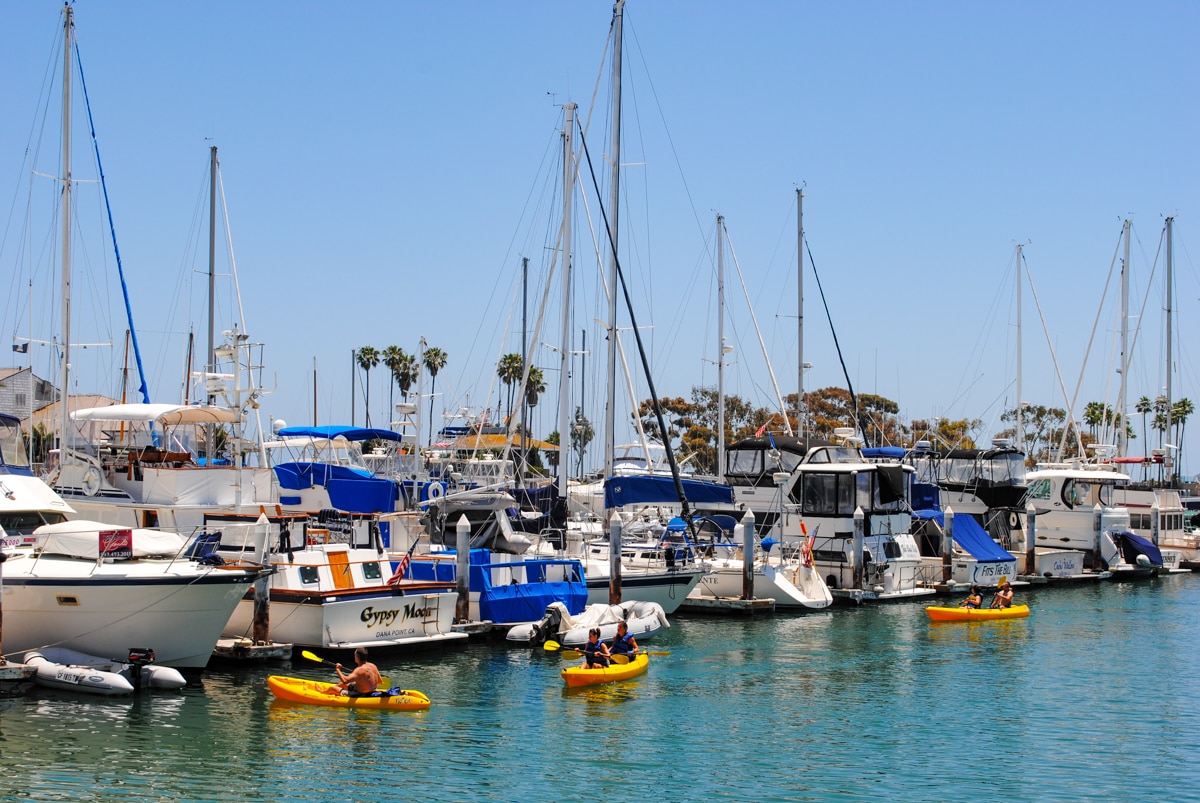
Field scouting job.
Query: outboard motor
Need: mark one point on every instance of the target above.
(139, 657)
(547, 627)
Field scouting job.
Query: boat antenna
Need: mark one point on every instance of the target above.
(685, 509)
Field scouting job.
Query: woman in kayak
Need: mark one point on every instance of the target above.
(595, 652)
(973, 600)
(363, 680)
(624, 643)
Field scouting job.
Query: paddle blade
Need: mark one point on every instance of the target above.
(551, 646)
(310, 656)
(618, 658)
(657, 652)
(571, 653)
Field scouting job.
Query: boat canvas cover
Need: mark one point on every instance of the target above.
(971, 536)
(1140, 546)
(167, 414)
(336, 431)
(649, 490)
(81, 539)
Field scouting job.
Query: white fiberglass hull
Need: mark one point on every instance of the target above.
(793, 587)
(175, 608)
(668, 587)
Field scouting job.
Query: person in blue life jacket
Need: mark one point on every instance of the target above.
(973, 600)
(595, 652)
(624, 643)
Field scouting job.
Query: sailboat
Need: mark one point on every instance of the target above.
(85, 585)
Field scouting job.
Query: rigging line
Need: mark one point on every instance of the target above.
(836, 344)
(685, 509)
(1071, 400)
(754, 319)
(137, 352)
(237, 288)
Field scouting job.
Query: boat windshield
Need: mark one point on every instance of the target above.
(12, 444)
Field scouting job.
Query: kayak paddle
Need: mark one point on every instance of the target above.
(383, 681)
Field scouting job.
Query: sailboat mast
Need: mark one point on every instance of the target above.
(1168, 458)
(799, 313)
(1119, 424)
(720, 348)
(1020, 423)
(564, 374)
(210, 435)
(610, 412)
(68, 34)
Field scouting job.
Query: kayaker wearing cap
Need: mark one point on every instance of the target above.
(1004, 596)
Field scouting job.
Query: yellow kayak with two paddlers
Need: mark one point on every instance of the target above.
(937, 614)
(314, 692)
(578, 676)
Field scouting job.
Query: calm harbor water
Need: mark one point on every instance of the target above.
(1091, 698)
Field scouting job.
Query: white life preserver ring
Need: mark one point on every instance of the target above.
(1014, 521)
(91, 481)
(435, 490)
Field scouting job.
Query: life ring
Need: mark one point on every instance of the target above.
(435, 490)
(91, 481)
(1014, 521)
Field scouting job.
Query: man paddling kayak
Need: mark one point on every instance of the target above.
(363, 680)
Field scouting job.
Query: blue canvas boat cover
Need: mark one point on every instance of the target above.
(654, 489)
(1143, 546)
(887, 452)
(971, 536)
(335, 431)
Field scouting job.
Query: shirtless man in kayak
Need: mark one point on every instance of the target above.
(1004, 596)
(363, 680)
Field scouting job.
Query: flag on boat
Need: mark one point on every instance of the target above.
(21, 348)
(759, 432)
(399, 575)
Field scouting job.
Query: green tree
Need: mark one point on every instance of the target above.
(582, 434)
(367, 358)
(1042, 429)
(392, 355)
(435, 361)
(510, 370)
(535, 387)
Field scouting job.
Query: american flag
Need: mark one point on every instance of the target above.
(399, 575)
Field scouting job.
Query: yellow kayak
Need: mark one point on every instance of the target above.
(315, 692)
(578, 676)
(976, 614)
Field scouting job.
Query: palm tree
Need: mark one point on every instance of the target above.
(1180, 412)
(405, 372)
(392, 355)
(535, 387)
(435, 360)
(1145, 407)
(510, 370)
(368, 358)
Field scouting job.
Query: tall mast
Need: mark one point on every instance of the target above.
(1020, 423)
(610, 411)
(564, 373)
(524, 367)
(720, 348)
(799, 313)
(1167, 456)
(1121, 388)
(68, 34)
(210, 356)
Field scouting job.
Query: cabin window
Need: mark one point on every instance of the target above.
(1076, 492)
(744, 461)
(309, 575)
(832, 494)
(1039, 489)
(371, 571)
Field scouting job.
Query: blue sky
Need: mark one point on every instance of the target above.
(387, 166)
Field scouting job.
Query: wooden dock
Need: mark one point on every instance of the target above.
(727, 606)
